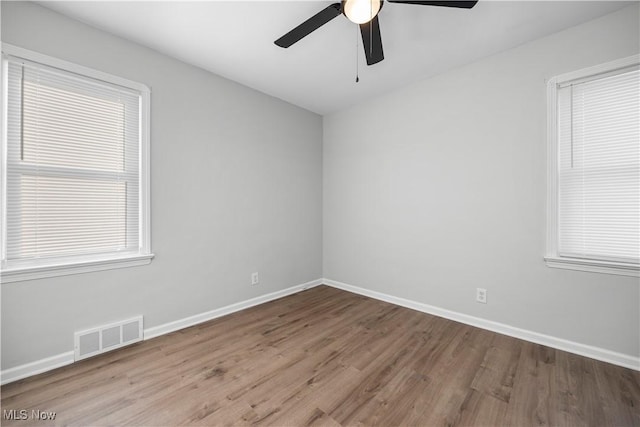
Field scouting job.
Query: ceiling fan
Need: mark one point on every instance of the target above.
(365, 14)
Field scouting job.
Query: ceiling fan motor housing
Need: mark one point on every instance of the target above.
(361, 11)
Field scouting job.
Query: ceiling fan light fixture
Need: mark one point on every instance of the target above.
(361, 11)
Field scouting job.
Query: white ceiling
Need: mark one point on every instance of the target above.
(235, 39)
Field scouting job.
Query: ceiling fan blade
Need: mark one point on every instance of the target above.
(372, 41)
(309, 26)
(445, 3)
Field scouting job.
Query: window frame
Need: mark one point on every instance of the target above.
(83, 263)
(552, 257)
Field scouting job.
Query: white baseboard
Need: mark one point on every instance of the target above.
(53, 362)
(63, 359)
(223, 311)
(37, 367)
(620, 359)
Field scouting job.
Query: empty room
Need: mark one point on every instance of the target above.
(296, 213)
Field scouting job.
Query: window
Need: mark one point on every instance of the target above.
(594, 169)
(75, 174)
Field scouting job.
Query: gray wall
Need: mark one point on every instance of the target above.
(236, 187)
(440, 187)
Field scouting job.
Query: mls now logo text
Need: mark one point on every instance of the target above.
(23, 414)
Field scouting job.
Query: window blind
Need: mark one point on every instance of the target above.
(599, 167)
(73, 165)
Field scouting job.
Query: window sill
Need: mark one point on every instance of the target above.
(18, 274)
(604, 267)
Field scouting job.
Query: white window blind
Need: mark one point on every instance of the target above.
(73, 168)
(598, 167)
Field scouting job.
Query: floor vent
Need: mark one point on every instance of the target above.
(105, 338)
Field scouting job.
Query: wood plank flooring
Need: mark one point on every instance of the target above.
(332, 358)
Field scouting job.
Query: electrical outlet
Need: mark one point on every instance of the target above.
(255, 279)
(481, 295)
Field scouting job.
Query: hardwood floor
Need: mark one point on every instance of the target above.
(329, 357)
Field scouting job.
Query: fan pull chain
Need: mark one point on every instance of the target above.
(357, 61)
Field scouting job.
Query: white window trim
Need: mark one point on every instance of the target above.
(88, 264)
(552, 258)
